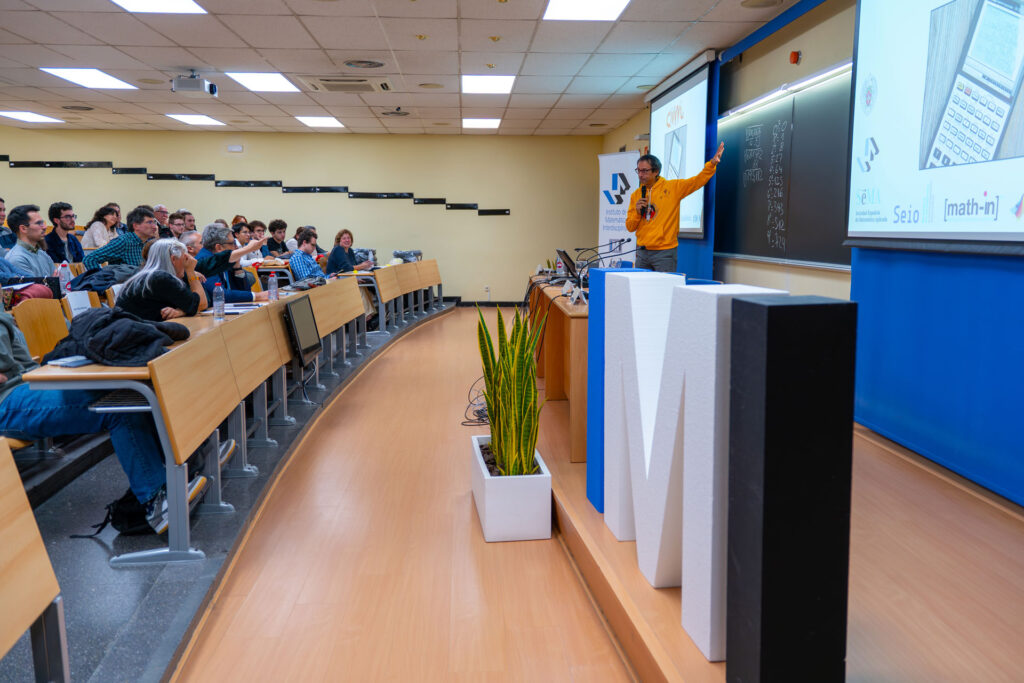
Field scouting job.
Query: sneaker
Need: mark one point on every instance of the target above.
(227, 449)
(156, 512)
(195, 490)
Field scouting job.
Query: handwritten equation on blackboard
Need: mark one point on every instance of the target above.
(768, 168)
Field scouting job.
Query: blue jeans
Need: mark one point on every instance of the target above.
(38, 414)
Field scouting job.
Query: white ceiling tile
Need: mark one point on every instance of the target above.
(344, 113)
(514, 36)
(520, 124)
(607, 114)
(661, 66)
(386, 57)
(615, 65)
(25, 76)
(214, 109)
(711, 34)
(280, 32)
(346, 33)
(125, 108)
(245, 6)
(407, 122)
(276, 120)
(489, 101)
(580, 101)
(364, 124)
(174, 59)
(263, 110)
(192, 30)
(8, 38)
(532, 100)
(34, 55)
(489, 9)
(291, 98)
(642, 36)
(75, 94)
(541, 84)
(116, 28)
(231, 59)
(549, 124)
(441, 34)
(309, 61)
(428, 62)
(298, 110)
(406, 100)
(666, 10)
(100, 57)
(439, 112)
(553, 63)
(483, 112)
(239, 98)
(595, 85)
(44, 28)
(505, 63)
(569, 36)
(731, 10)
(63, 5)
(348, 8)
(336, 99)
(568, 114)
(436, 9)
(15, 5)
(633, 85)
(411, 83)
(526, 112)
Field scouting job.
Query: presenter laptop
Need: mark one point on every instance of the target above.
(985, 88)
(570, 265)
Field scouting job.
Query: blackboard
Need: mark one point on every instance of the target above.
(781, 186)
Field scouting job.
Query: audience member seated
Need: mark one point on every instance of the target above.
(293, 243)
(239, 218)
(128, 247)
(102, 228)
(176, 222)
(162, 213)
(190, 220)
(28, 254)
(242, 237)
(61, 243)
(276, 244)
(7, 237)
(122, 227)
(303, 262)
(31, 414)
(218, 260)
(259, 231)
(342, 258)
(158, 291)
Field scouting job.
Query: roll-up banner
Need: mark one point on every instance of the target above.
(618, 181)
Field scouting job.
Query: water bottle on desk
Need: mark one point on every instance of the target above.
(218, 302)
(272, 287)
(64, 273)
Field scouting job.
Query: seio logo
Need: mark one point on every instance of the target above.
(620, 186)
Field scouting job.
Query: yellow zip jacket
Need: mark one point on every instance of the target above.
(662, 230)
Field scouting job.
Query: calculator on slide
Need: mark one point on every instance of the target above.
(985, 87)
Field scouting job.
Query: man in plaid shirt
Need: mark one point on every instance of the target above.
(303, 263)
(127, 248)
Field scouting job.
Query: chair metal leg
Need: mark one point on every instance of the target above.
(50, 644)
(361, 332)
(328, 353)
(279, 415)
(213, 503)
(239, 467)
(261, 437)
(353, 338)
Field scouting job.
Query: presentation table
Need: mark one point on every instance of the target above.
(562, 359)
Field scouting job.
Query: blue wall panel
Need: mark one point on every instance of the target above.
(940, 359)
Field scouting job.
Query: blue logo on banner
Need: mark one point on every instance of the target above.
(618, 180)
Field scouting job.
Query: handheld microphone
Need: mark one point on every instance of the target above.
(647, 209)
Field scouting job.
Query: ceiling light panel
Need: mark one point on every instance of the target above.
(29, 117)
(584, 10)
(321, 121)
(481, 123)
(262, 82)
(160, 6)
(196, 119)
(91, 78)
(487, 84)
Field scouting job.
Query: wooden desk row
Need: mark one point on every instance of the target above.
(393, 284)
(200, 382)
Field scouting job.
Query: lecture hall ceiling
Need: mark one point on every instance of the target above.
(572, 77)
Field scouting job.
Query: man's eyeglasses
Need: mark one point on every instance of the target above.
(68, 215)
(644, 170)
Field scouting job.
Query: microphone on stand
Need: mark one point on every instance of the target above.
(586, 265)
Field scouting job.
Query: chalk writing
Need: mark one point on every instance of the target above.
(776, 220)
(752, 155)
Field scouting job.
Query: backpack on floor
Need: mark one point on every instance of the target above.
(126, 514)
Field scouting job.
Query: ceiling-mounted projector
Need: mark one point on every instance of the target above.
(193, 86)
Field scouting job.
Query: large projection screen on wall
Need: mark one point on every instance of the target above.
(679, 118)
(937, 133)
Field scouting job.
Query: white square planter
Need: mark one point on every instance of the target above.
(511, 508)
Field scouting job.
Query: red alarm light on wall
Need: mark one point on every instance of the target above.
(794, 57)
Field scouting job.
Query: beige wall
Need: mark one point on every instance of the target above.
(548, 183)
(625, 135)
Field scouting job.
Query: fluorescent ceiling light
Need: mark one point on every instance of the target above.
(585, 10)
(196, 119)
(161, 6)
(263, 82)
(91, 78)
(501, 85)
(481, 123)
(29, 116)
(321, 121)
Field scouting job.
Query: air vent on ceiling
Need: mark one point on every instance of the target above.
(346, 84)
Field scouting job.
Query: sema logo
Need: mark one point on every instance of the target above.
(620, 186)
(973, 208)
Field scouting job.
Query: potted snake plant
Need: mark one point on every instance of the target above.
(511, 483)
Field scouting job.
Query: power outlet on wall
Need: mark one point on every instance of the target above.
(487, 290)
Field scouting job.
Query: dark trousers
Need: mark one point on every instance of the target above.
(659, 260)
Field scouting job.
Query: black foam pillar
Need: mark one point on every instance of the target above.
(790, 455)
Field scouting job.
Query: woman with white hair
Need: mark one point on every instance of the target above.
(158, 290)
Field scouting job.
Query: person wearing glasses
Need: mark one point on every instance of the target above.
(28, 254)
(61, 243)
(218, 262)
(128, 247)
(654, 211)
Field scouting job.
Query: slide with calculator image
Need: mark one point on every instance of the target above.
(984, 89)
